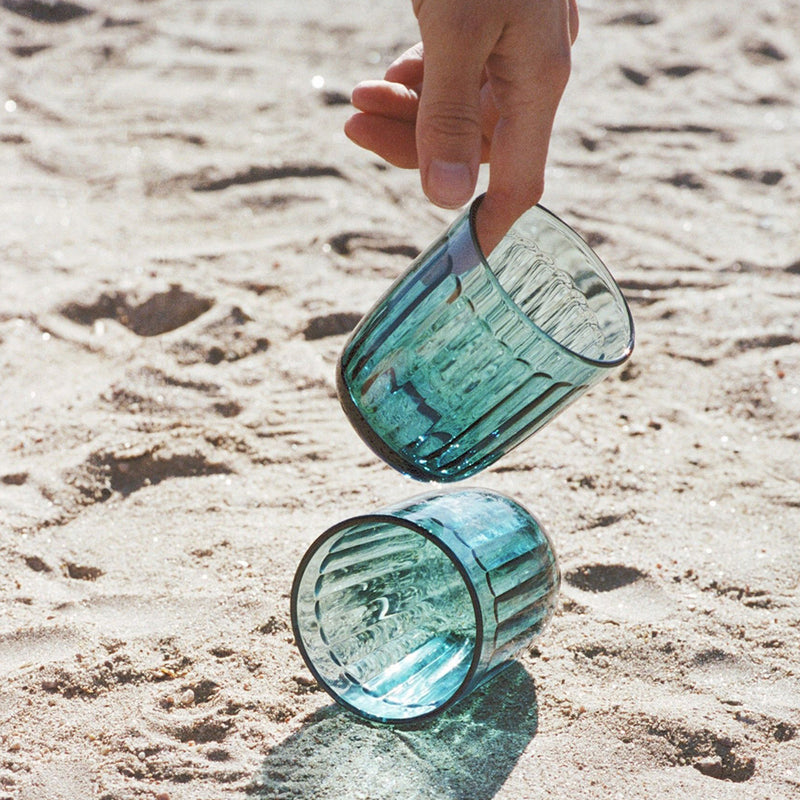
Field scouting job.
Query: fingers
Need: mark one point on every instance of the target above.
(516, 178)
(386, 122)
(493, 75)
(449, 137)
(518, 156)
(527, 92)
(407, 68)
(449, 128)
(384, 105)
(393, 100)
(394, 140)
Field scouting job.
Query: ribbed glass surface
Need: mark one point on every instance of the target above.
(399, 614)
(387, 620)
(548, 297)
(509, 556)
(463, 359)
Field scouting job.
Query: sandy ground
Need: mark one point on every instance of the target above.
(186, 237)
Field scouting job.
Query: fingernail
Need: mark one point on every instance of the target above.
(449, 184)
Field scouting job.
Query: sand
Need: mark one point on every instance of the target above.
(187, 238)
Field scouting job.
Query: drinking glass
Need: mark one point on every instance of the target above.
(401, 613)
(467, 355)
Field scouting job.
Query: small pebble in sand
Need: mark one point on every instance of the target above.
(186, 698)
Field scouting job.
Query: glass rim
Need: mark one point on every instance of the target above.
(460, 568)
(600, 267)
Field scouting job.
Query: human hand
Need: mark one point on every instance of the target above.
(485, 88)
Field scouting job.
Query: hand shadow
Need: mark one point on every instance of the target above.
(466, 753)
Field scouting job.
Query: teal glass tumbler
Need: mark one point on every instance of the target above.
(401, 613)
(467, 355)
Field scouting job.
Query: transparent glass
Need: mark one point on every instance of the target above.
(466, 356)
(401, 613)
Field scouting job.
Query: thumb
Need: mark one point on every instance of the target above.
(449, 123)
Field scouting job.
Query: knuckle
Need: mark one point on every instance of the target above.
(531, 196)
(452, 119)
(557, 66)
(517, 199)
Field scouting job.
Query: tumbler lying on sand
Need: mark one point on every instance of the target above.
(468, 355)
(401, 613)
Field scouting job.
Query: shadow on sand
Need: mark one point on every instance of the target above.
(465, 754)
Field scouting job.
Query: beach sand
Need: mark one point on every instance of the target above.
(186, 239)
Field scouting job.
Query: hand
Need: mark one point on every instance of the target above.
(486, 88)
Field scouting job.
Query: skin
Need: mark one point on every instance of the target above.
(482, 86)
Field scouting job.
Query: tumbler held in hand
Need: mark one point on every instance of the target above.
(466, 356)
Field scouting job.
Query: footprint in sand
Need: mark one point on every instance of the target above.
(769, 177)
(227, 334)
(47, 11)
(635, 76)
(14, 478)
(617, 591)
(35, 646)
(81, 572)
(677, 743)
(762, 51)
(126, 471)
(686, 180)
(26, 51)
(157, 314)
(120, 471)
(680, 70)
(347, 242)
(334, 324)
(206, 729)
(259, 174)
(153, 392)
(636, 18)
(212, 179)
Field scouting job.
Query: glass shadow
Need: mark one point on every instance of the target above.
(466, 753)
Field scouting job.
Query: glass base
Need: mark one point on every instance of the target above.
(376, 444)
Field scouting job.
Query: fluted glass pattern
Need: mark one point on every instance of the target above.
(400, 613)
(466, 356)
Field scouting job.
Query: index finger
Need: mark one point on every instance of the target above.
(407, 68)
